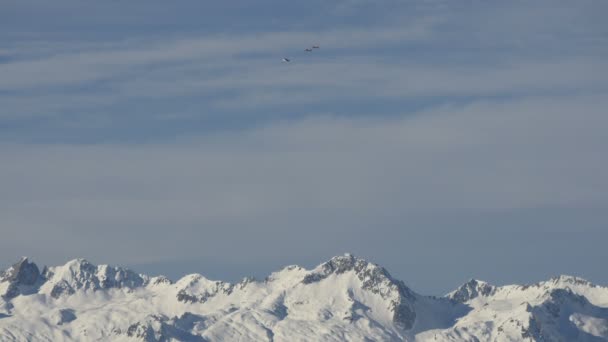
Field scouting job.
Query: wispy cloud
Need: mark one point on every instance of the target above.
(238, 71)
(92, 65)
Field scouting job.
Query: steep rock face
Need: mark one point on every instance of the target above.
(470, 290)
(375, 279)
(21, 278)
(23, 272)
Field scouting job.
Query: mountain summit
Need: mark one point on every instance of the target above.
(344, 298)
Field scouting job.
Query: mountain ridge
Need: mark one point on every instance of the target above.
(344, 298)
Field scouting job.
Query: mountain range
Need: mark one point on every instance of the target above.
(343, 299)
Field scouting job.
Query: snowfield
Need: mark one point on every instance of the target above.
(343, 299)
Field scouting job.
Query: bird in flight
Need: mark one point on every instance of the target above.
(308, 49)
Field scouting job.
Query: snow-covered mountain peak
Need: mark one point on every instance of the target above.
(73, 269)
(194, 288)
(567, 280)
(292, 272)
(470, 290)
(79, 274)
(374, 279)
(286, 278)
(160, 281)
(347, 263)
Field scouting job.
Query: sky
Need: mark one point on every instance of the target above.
(444, 140)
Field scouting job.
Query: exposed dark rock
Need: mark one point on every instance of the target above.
(158, 328)
(65, 316)
(214, 288)
(22, 277)
(22, 272)
(472, 289)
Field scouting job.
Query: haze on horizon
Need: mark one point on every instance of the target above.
(442, 140)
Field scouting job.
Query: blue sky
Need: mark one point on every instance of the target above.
(443, 140)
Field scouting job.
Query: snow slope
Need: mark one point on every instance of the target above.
(343, 299)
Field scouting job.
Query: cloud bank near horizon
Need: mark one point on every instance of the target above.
(331, 182)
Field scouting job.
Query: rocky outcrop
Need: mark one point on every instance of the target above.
(470, 290)
(23, 277)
